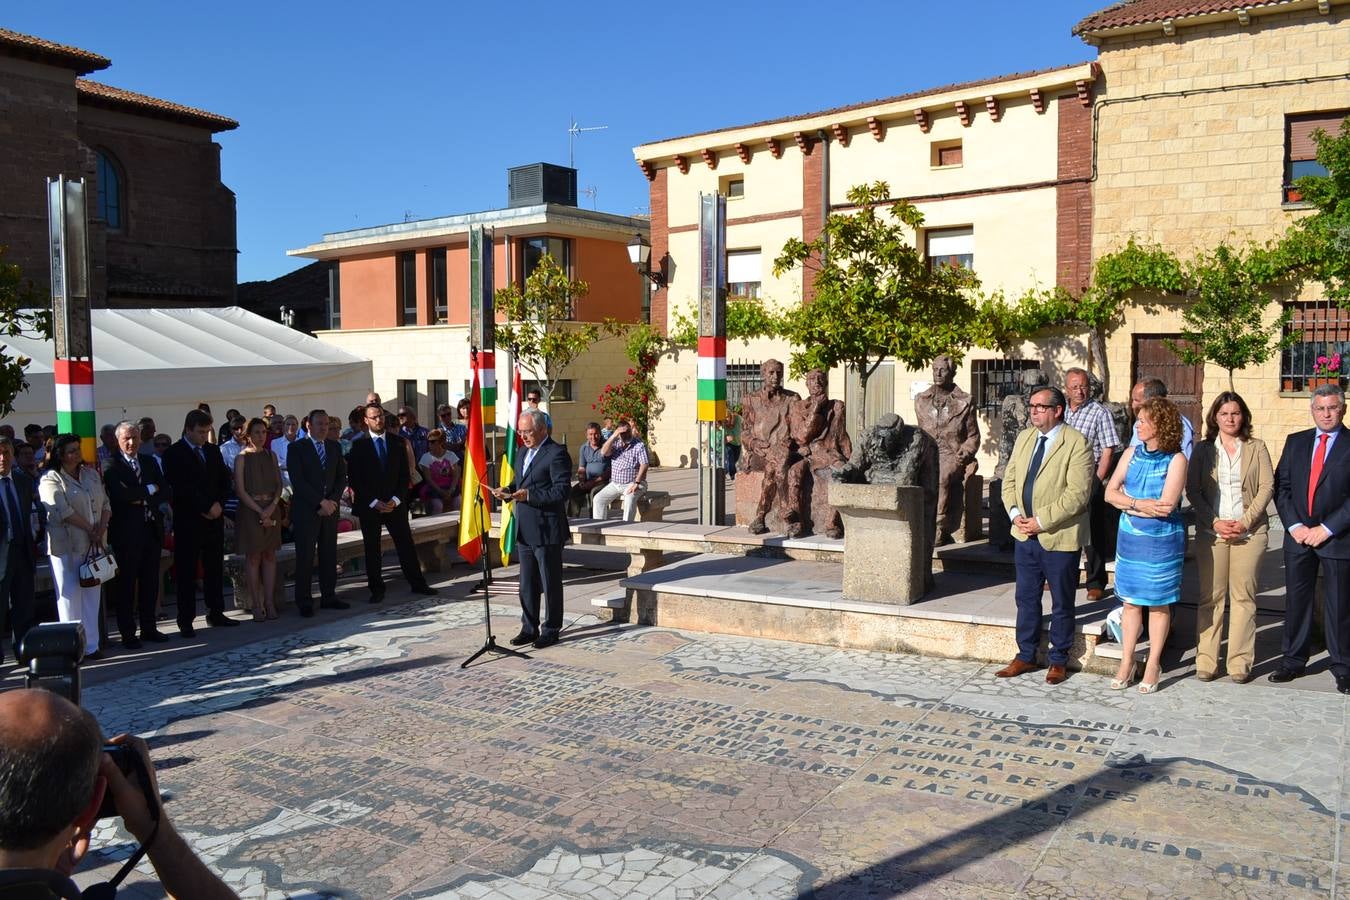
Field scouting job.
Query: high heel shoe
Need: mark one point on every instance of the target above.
(1146, 688)
(1119, 685)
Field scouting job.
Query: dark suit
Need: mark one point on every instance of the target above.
(312, 483)
(541, 531)
(136, 533)
(1331, 507)
(197, 484)
(372, 479)
(18, 561)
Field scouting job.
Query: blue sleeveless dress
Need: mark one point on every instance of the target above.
(1149, 552)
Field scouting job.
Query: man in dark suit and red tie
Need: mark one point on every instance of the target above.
(1312, 493)
(540, 493)
(378, 471)
(136, 532)
(200, 484)
(18, 555)
(318, 478)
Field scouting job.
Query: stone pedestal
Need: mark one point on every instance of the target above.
(972, 520)
(1000, 529)
(888, 542)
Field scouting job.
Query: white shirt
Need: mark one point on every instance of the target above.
(281, 446)
(1229, 471)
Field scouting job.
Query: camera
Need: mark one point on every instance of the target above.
(131, 764)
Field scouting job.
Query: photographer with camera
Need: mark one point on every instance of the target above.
(54, 775)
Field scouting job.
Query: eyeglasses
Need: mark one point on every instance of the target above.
(1043, 406)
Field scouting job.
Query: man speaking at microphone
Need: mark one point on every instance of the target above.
(540, 494)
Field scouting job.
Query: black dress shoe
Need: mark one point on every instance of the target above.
(334, 604)
(307, 612)
(131, 643)
(187, 631)
(522, 639)
(426, 590)
(1282, 675)
(1343, 683)
(93, 657)
(377, 598)
(220, 620)
(154, 637)
(545, 640)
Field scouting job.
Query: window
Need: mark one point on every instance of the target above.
(742, 378)
(731, 186)
(440, 309)
(945, 153)
(743, 273)
(407, 393)
(440, 394)
(533, 249)
(1301, 150)
(562, 390)
(993, 379)
(407, 288)
(109, 191)
(880, 393)
(1323, 327)
(951, 247)
(334, 295)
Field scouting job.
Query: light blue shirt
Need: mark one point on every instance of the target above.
(1187, 437)
(1331, 442)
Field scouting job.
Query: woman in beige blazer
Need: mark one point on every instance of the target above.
(1231, 482)
(77, 517)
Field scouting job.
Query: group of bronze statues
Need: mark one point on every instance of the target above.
(793, 446)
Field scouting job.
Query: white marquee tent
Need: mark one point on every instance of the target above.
(163, 362)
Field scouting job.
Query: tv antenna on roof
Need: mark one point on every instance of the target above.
(591, 191)
(572, 131)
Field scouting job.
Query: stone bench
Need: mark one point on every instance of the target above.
(436, 538)
(651, 506)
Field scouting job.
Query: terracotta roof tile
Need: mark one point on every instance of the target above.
(913, 95)
(1143, 12)
(82, 61)
(98, 94)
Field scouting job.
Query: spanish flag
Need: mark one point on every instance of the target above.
(474, 516)
(508, 466)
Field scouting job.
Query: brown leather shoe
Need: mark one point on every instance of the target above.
(1095, 594)
(1015, 668)
(1055, 675)
(1241, 678)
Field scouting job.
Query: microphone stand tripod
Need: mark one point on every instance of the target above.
(490, 645)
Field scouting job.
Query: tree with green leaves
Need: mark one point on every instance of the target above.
(21, 313)
(1227, 294)
(539, 329)
(876, 296)
(1319, 244)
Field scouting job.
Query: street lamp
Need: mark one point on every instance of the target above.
(640, 255)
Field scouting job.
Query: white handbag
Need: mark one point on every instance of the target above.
(99, 566)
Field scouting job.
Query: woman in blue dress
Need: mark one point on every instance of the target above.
(1146, 488)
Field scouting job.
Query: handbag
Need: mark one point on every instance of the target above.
(98, 567)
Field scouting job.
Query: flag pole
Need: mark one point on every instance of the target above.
(490, 645)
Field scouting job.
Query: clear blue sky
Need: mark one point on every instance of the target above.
(355, 114)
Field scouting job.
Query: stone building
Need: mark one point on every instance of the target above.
(399, 296)
(162, 225)
(1203, 121)
(1186, 130)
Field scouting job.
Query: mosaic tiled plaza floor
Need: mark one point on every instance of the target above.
(356, 759)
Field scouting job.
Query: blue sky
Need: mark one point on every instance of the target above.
(357, 114)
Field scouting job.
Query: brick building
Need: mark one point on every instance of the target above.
(1186, 130)
(162, 225)
(399, 296)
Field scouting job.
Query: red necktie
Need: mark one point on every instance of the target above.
(1319, 458)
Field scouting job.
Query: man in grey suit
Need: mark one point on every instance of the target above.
(318, 478)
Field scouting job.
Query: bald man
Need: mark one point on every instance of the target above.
(53, 775)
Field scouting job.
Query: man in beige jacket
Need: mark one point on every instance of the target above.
(1046, 489)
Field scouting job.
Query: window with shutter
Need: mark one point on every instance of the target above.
(1301, 148)
(744, 273)
(951, 247)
